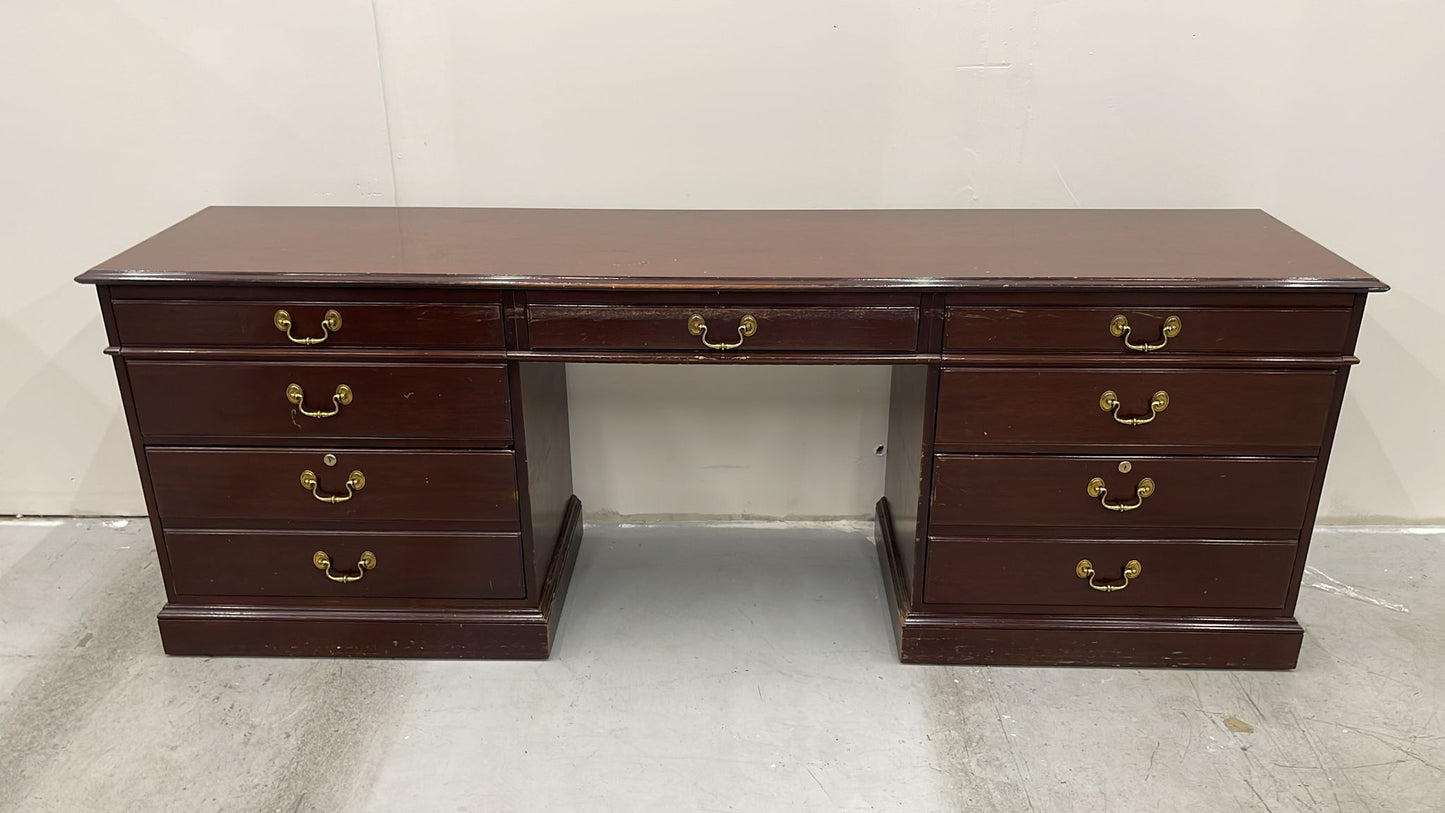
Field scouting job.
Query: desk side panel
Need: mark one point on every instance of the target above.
(544, 459)
(1331, 424)
(132, 421)
(908, 468)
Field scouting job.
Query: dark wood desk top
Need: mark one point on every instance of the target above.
(681, 250)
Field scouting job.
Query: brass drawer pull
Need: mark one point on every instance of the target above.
(1085, 570)
(1142, 491)
(1119, 326)
(322, 560)
(355, 482)
(747, 326)
(329, 325)
(1109, 402)
(297, 396)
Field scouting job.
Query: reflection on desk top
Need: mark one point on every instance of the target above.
(740, 250)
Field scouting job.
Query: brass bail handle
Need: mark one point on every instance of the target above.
(330, 323)
(697, 326)
(1085, 570)
(297, 397)
(1109, 402)
(1119, 327)
(1143, 491)
(355, 482)
(322, 560)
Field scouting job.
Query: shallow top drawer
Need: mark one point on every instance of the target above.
(724, 328)
(309, 319)
(1160, 331)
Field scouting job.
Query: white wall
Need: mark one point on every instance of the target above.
(118, 118)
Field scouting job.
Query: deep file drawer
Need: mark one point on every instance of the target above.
(1237, 411)
(1026, 572)
(454, 404)
(366, 490)
(347, 565)
(1180, 494)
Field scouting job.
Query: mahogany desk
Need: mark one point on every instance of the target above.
(1107, 433)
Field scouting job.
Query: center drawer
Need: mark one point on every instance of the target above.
(442, 566)
(1173, 496)
(1262, 412)
(452, 403)
(715, 328)
(369, 490)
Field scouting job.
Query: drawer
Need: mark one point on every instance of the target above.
(1263, 412)
(882, 329)
(259, 400)
(1190, 493)
(1243, 331)
(317, 323)
(1172, 573)
(473, 566)
(255, 489)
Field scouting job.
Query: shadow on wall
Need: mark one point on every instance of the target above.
(1391, 422)
(62, 429)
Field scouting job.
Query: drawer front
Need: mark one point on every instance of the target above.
(1189, 494)
(475, 566)
(356, 325)
(291, 400)
(1245, 331)
(1278, 412)
(1172, 573)
(881, 329)
(402, 491)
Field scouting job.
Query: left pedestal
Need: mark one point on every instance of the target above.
(346, 472)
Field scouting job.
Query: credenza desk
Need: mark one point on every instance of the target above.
(1107, 430)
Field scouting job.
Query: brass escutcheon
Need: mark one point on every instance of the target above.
(297, 396)
(1085, 570)
(1142, 491)
(322, 561)
(355, 482)
(1109, 402)
(697, 326)
(1119, 326)
(330, 323)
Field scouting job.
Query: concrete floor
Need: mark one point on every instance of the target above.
(708, 669)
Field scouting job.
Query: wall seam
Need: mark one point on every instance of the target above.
(385, 104)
